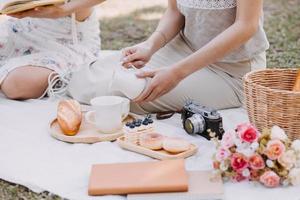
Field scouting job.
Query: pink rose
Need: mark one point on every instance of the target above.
(228, 139)
(256, 162)
(222, 154)
(274, 149)
(247, 132)
(254, 175)
(238, 177)
(216, 165)
(239, 162)
(270, 179)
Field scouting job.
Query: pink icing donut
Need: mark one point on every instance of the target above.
(176, 145)
(153, 141)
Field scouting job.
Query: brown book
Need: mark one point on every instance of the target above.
(201, 187)
(15, 6)
(141, 177)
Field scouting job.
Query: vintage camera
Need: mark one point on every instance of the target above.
(202, 120)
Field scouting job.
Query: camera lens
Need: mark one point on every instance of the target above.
(195, 124)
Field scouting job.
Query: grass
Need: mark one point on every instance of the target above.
(283, 31)
(124, 26)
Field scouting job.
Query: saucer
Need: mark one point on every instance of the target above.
(88, 133)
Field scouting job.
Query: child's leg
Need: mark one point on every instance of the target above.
(26, 82)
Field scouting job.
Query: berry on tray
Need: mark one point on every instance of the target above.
(134, 128)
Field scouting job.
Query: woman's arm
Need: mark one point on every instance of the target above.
(75, 6)
(169, 26)
(244, 27)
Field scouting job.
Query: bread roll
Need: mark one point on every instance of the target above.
(69, 116)
(296, 87)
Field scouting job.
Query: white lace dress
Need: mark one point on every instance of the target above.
(49, 43)
(205, 19)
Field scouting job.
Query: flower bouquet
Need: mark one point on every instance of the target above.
(268, 157)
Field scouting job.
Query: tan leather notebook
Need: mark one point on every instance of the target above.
(201, 187)
(15, 6)
(142, 177)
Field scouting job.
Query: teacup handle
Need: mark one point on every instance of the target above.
(88, 117)
(125, 110)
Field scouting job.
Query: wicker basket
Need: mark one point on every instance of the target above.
(270, 101)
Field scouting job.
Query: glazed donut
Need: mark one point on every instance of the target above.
(153, 141)
(176, 145)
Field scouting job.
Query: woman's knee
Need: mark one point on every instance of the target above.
(26, 83)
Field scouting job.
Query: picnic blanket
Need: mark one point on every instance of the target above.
(31, 157)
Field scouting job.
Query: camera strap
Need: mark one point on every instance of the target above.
(166, 114)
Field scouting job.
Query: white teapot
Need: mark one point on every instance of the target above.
(105, 77)
(127, 83)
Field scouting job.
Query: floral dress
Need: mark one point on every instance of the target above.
(49, 43)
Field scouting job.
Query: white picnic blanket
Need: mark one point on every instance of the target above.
(31, 157)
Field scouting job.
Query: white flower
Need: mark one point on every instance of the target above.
(285, 182)
(297, 163)
(246, 172)
(288, 159)
(224, 166)
(296, 145)
(270, 163)
(237, 142)
(254, 145)
(278, 133)
(246, 151)
(294, 176)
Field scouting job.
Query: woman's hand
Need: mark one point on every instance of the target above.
(137, 55)
(163, 80)
(52, 12)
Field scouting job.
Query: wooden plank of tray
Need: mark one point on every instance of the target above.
(87, 133)
(160, 154)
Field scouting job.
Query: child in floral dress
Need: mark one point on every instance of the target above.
(40, 48)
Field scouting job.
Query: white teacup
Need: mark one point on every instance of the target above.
(108, 113)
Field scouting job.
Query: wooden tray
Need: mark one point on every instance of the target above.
(160, 154)
(87, 133)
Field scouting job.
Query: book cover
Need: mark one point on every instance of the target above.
(201, 187)
(140, 177)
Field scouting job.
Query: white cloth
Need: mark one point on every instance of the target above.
(31, 157)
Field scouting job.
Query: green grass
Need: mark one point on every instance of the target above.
(282, 25)
(283, 30)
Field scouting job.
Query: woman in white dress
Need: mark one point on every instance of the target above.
(40, 50)
(200, 50)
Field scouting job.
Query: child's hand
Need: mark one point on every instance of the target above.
(52, 12)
